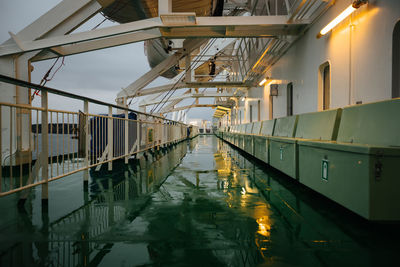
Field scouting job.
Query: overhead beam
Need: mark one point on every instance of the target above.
(192, 95)
(74, 38)
(192, 106)
(212, 27)
(72, 49)
(235, 27)
(167, 87)
(58, 20)
(213, 84)
(160, 89)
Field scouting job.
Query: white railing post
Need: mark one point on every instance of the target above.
(86, 136)
(126, 133)
(45, 147)
(110, 138)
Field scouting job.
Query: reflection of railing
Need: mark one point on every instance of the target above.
(29, 159)
(111, 207)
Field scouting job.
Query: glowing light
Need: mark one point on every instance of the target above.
(264, 227)
(243, 192)
(336, 21)
(262, 82)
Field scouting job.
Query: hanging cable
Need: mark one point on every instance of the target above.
(46, 78)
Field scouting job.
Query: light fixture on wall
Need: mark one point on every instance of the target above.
(263, 81)
(347, 12)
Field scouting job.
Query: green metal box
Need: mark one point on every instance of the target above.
(240, 139)
(283, 147)
(248, 139)
(261, 141)
(360, 170)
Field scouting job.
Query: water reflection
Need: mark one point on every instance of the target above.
(79, 238)
(201, 204)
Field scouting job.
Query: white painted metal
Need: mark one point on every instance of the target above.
(76, 48)
(110, 141)
(164, 7)
(150, 76)
(217, 27)
(87, 140)
(191, 95)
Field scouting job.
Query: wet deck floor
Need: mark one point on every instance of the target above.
(201, 204)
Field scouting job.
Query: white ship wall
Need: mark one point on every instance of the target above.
(359, 51)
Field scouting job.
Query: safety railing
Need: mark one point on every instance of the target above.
(39, 144)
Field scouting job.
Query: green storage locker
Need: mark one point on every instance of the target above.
(359, 171)
(282, 146)
(248, 139)
(261, 141)
(255, 132)
(310, 126)
(236, 136)
(240, 140)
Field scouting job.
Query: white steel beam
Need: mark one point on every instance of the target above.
(216, 47)
(192, 106)
(58, 20)
(165, 65)
(159, 89)
(191, 95)
(167, 87)
(72, 49)
(218, 27)
(74, 38)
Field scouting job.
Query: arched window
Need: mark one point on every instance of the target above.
(396, 61)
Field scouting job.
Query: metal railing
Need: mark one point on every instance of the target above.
(40, 145)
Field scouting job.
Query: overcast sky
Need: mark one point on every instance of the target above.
(99, 74)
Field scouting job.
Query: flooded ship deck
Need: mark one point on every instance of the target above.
(202, 203)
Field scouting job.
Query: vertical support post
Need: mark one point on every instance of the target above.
(164, 7)
(86, 135)
(188, 70)
(126, 133)
(45, 148)
(271, 107)
(138, 137)
(110, 131)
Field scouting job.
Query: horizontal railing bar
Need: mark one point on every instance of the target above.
(23, 106)
(7, 79)
(63, 111)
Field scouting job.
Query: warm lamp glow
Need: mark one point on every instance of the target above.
(262, 82)
(339, 19)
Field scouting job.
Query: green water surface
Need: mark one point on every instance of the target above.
(202, 203)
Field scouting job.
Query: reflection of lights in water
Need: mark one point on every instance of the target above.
(264, 226)
(243, 192)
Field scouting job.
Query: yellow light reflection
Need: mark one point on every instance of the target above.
(264, 226)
